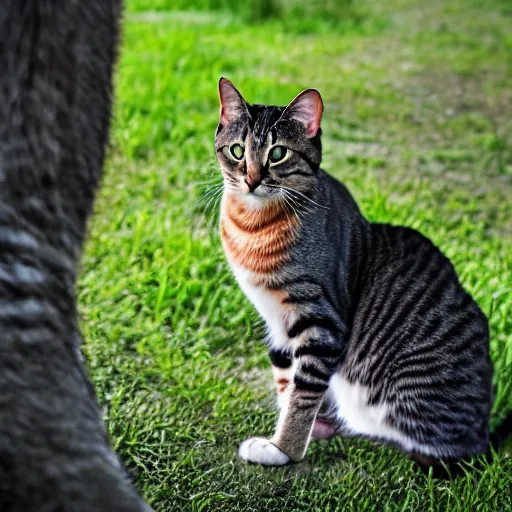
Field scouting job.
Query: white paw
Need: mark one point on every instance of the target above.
(261, 451)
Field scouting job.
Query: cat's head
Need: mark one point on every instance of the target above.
(264, 151)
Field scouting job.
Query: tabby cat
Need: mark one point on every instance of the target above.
(370, 331)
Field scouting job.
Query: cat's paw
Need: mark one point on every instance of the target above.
(261, 451)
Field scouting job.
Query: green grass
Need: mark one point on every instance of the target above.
(294, 15)
(418, 124)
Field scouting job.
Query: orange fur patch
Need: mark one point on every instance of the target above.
(257, 240)
(282, 384)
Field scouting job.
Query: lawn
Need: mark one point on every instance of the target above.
(418, 124)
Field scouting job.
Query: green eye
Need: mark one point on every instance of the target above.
(277, 153)
(237, 151)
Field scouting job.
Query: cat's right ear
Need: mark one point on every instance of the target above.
(232, 105)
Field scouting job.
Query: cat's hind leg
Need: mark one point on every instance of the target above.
(325, 425)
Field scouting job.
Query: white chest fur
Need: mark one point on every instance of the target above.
(269, 305)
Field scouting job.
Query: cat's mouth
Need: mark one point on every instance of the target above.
(261, 197)
(259, 190)
(255, 194)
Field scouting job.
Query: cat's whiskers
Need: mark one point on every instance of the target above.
(290, 205)
(282, 201)
(209, 192)
(292, 202)
(211, 205)
(301, 209)
(207, 203)
(214, 180)
(293, 191)
(217, 188)
(214, 195)
(298, 205)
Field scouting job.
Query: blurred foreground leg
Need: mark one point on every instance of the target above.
(56, 61)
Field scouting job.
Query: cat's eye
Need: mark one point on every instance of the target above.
(277, 154)
(237, 151)
(234, 152)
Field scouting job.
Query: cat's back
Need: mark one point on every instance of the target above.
(412, 304)
(404, 258)
(394, 244)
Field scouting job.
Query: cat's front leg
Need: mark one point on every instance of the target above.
(282, 371)
(315, 361)
(259, 449)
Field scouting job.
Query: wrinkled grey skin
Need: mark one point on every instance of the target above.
(56, 61)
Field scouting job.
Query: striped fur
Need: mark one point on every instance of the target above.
(56, 63)
(370, 331)
(257, 240)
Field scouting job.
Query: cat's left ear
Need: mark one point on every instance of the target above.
(232, 104)
(307, 108)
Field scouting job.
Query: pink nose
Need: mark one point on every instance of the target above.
(252, 183)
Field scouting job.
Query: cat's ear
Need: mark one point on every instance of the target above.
(232, 105)
(307, 108)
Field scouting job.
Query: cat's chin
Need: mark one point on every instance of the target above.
(257, 201)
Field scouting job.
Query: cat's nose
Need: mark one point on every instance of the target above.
(252, 183)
